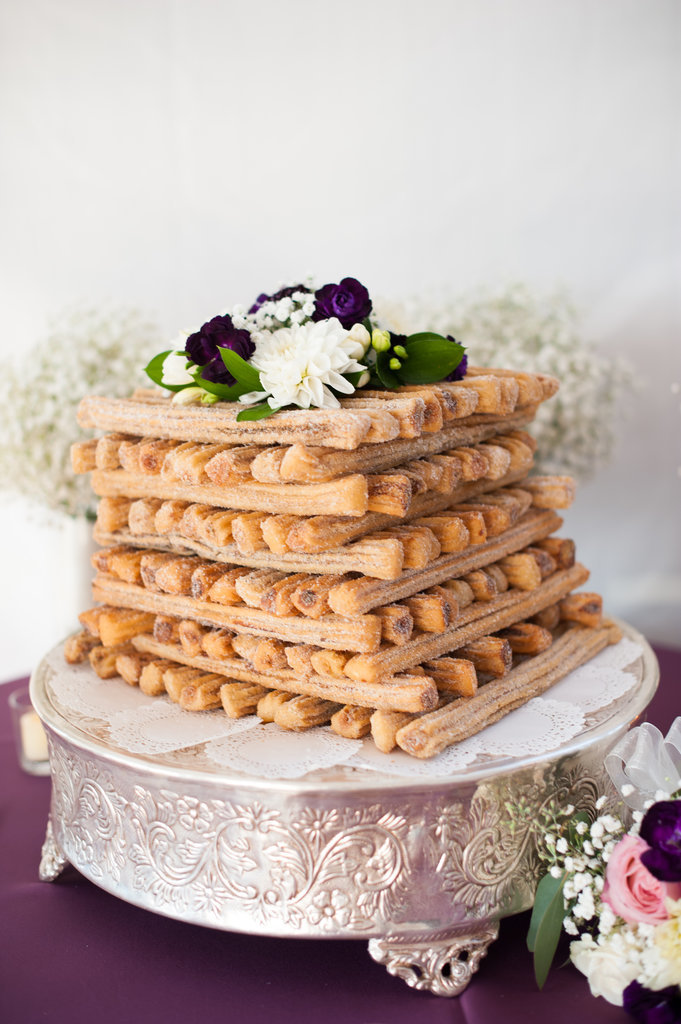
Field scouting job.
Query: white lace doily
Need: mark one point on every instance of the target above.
(602, 680)
(270, 751)
(165, 727)
(156, 727)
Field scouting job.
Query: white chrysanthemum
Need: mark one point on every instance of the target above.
(299, 365)
(606, 968)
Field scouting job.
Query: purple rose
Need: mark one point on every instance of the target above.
(203, 348)
(348, 301)
(661, 829)
(648, 1007)
(283, 293)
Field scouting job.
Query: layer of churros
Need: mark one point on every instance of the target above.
(203, 668)
(373, 418)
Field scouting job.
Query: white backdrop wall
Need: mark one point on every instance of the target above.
(182, 155)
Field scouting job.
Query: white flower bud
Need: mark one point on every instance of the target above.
(360, 335)
(175, 370)
(188, 396)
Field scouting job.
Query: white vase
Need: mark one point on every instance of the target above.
(72, 588)
(46, 575)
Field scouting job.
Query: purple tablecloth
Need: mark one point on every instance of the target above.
(73, 953)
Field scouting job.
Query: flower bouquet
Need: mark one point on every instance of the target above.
(300, 347)
(617, 890)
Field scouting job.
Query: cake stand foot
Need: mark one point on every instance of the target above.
(52, 860)
(442, 963)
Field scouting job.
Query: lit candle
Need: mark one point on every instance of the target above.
(33, 738)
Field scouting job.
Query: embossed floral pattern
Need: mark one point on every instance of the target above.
(329, 906)
(336, 869)
(193, 814)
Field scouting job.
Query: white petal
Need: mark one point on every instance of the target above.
(329, 401)
(338, 383)
(252, 397)
(314, 387)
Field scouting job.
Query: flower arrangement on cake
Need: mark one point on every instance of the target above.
(301, 347)
(617, 890)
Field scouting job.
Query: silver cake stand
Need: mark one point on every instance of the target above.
(422, 867)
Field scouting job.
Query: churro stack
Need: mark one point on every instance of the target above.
(391, 567)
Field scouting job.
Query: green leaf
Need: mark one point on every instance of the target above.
(154, 370)
(242, 371)
(256, 412)
(387, 377)
(425, 336)
(430, 358)
(225, 392)
(546, 924)
(354, 377)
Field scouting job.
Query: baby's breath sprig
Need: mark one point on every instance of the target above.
(539, 333)
(85, 350)
(576, 849)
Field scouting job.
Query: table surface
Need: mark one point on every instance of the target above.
(71, 952)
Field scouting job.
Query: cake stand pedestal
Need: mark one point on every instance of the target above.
(421, 867)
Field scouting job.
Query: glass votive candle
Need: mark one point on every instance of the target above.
(29, 735)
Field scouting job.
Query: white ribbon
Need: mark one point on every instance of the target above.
(647, 761)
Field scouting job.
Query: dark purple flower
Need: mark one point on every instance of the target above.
(661, 829)
(348, 301)
(459, 372)
(203, 348)
(648, 1007)
(283, 293)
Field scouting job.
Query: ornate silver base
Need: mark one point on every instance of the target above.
(441, 964)
(424, 868)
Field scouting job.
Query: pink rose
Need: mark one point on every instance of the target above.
(630, 889)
